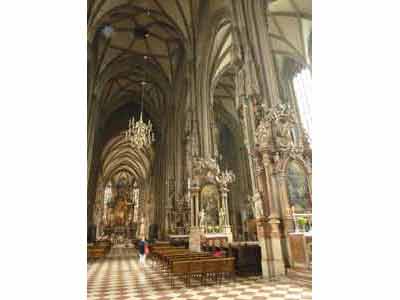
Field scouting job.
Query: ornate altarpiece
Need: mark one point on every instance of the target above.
(208, 196)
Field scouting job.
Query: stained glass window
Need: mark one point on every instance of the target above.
(107, 193)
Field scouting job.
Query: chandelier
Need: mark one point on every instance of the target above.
(140, 134)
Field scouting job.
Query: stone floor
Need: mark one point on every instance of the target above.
(120, 277)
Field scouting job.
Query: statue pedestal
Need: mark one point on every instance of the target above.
(195, 239)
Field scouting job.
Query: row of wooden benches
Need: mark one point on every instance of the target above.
(187, 265)
(98, 250)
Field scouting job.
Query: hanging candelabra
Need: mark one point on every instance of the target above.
(140, 134)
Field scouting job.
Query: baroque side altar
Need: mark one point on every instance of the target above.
(208, 200)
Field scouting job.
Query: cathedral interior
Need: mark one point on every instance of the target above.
(199, 130)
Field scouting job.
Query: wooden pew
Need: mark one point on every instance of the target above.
(94, 252)
(215, 268)
(99, 249)
(157, 255)
(105, 244)
(167, 261)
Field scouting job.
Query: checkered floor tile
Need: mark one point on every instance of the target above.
(119, 277)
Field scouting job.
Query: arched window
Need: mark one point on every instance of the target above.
(107, 194)
(302, 89)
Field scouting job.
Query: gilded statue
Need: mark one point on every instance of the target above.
(120, 212)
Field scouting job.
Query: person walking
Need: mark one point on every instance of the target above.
(142, 251)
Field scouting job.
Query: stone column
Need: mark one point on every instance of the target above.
(287, 219)
(195, 231)
(247, 142)
(254, 13)
(168, 219)
(268, 230)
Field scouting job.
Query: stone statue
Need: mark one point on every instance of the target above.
(202, 218)
(282, 117)
(263, 134)
(258, 208)
(284, 137)
(250, 208)
(135, 193)
(222, 220)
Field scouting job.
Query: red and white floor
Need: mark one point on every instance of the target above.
(120, 277)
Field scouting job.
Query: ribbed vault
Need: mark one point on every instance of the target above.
(153, 28)
(221, 53)
(225, 90)
(118, 155)
(289, 26)
(122, 83)
(222, 75)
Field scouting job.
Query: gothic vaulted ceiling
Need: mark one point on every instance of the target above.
(119, 156)
(290, 28)
(131, 36)
(166, 24)
(222, 74)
